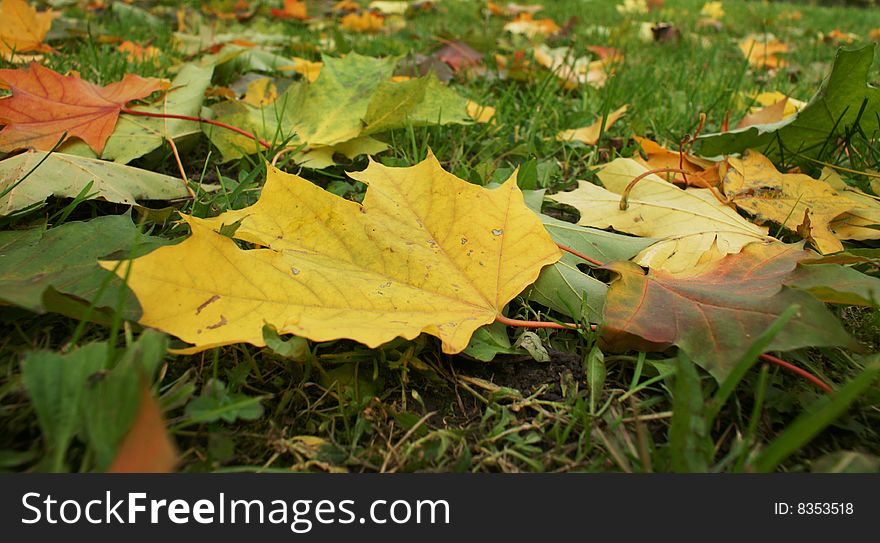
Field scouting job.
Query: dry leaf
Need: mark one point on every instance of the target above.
(590, 134)
(147, 447)
(763, 51)
(765, 115)
(293, 9)
(701, 172)
(689, 222)
(426, 252)
(575, 72)
(22, 29)
(756, 187)
(139, 53)
(260, 92)
(309, 69)
(526, 24)
(364, 22)
(45, 104)
(859, 223)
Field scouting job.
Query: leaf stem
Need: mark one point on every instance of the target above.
(580, 255)
(798, 371)
(624, 197)
(235, 129)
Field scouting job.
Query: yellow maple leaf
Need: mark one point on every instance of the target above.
(590, 134)
(525, 23)
(260, 92)
(309, 69)
(22, 29)
(426, 252)
(688, 223)
(364, 22)
(860, 222)
(755, 185)
(713, 10)
(763, 51)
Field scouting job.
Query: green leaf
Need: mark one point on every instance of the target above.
(831, 112)
(65, 176)
(689, 444)
(489, 341)
(56, 384)
(596, 372)
(135, 136)
(65, 260)
(112, 399)
(808, 425)
(217, 403)
(296, 348)
(562, 286)
(834, 284)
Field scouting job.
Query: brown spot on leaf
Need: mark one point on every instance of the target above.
(219, 323)
(208, 302)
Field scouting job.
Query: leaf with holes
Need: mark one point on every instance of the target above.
(715, 311)
(426, 252)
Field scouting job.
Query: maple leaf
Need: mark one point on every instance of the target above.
(844, 97)
(525, 23)
(858, 223)
(575, 72)
(763, 51)
(293, 9)
(689, 223)
(755, 185)
(714, 312)
(590, 134)
(147, 447)
(22, 29)
(45, 104)
(364, 22)
(426, 252)
(701, 172)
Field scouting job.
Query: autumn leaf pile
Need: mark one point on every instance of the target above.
(699, 244)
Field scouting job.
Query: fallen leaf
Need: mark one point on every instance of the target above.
(426, 252)
(513, 9)
(260, 92)
(147, 447)
(575, 71)
(66, 176)
(526, 24)
(135, 136)
(293, 9)
(480, 113)
(835, 284)
(589, 135)
(393, 7)
(459, 55)
(701, 172)
(764, 51)
(363, 22)
(57, 269)
(859, 223)
(309, 69)
(769, 98)
(688, 223)
(838, 37)
(831, 112)
(138, 53)
(769, 114)
(633, 7)
(754, 184)
(22, 29)
(714, 312)
(713, 10)
(45, 104)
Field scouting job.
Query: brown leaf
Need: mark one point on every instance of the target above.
(147, 447)
(715, 311)
(45, 104)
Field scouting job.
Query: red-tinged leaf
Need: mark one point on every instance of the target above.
(714, 312)
(45, 104)
(459, 55)
(147, 447)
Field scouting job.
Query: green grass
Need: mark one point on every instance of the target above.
(406, 406)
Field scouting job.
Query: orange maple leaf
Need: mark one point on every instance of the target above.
(22, 29)
(45, 104)
(293, 9)
(365, 22)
